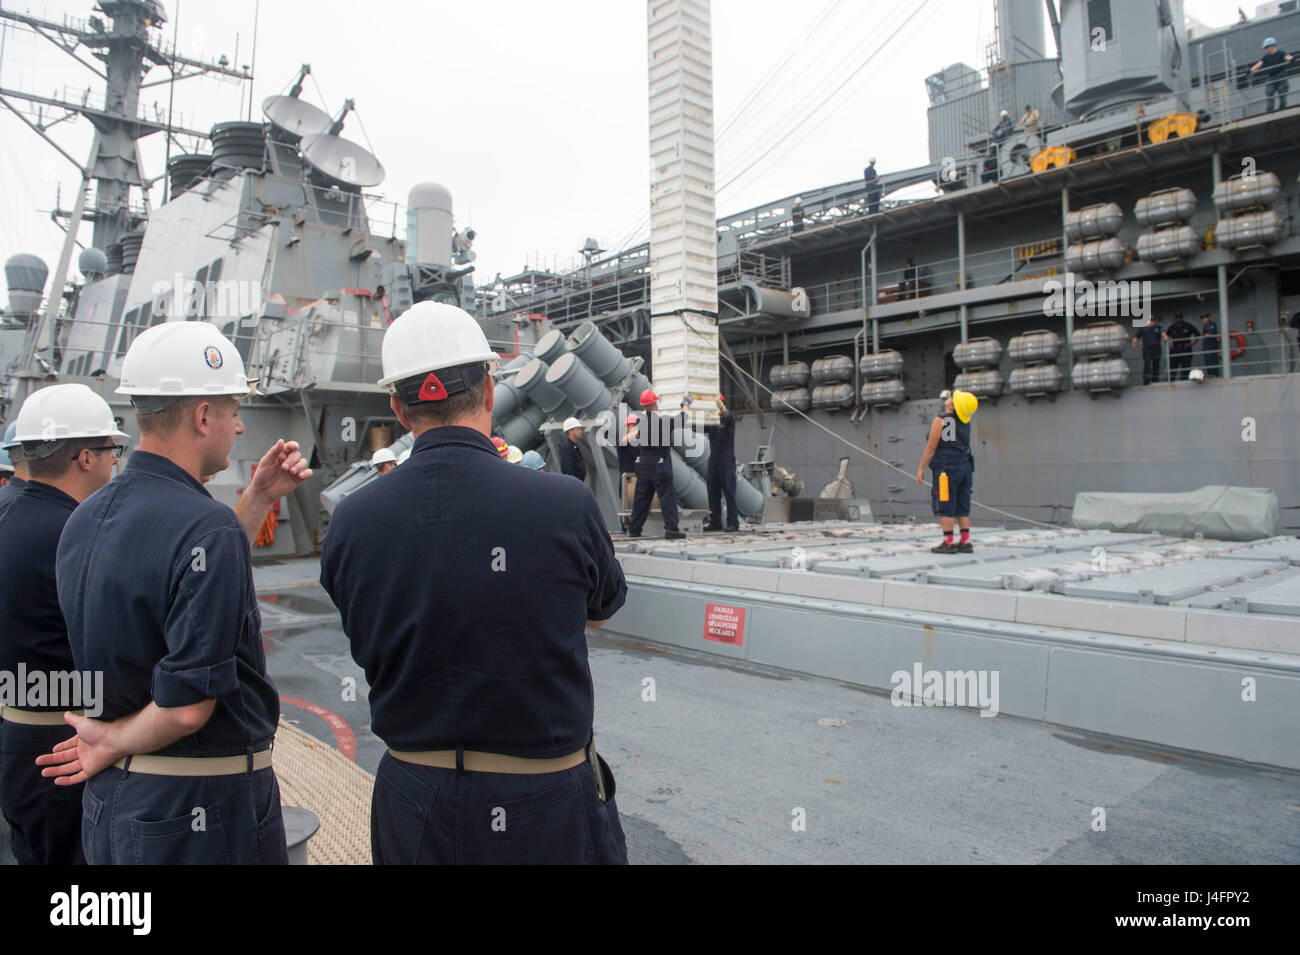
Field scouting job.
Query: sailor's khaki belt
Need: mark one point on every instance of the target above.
(490, 762)
(12, 714)
(194, 765)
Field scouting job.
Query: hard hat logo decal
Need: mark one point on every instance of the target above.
(212, 355)
(432, 389)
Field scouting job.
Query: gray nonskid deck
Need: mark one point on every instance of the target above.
(715, 767)
(1184, 643)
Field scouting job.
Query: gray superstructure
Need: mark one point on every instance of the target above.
(984, 254)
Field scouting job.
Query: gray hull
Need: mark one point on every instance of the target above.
(1033, 455)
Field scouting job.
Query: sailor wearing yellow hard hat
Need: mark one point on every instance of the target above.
(948, 453)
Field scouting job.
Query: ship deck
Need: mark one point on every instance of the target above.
(732, 751)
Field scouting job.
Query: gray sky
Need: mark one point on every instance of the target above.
(534, 113)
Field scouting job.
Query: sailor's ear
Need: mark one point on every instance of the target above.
(396, 405)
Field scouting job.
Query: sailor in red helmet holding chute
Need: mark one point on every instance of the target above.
(654, 470)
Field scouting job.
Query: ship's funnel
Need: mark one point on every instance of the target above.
(237, 146)
(26, 276)
(185, 169)
(1021, 30)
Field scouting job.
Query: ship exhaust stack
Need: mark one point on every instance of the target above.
(1021, 30)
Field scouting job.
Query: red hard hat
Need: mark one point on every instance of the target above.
(648, 397)
(631, 420)
(720, 398)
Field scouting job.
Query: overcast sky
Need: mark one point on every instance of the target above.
(533, 114)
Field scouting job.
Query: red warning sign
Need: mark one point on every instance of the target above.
(724, 624)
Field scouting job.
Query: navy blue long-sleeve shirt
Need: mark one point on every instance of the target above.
(465, 584)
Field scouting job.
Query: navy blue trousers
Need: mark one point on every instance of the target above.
(722, 483)
(139, 819)
(44, 819)
(652, 479)
(422, 815)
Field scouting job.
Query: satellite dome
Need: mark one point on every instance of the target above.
(26, 273)
(92, 263)
(428, 195)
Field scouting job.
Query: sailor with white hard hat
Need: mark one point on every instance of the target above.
(475, 647)
(71, 441)
(571, 462)
(384, 460)
(17, 472)
(156, 584)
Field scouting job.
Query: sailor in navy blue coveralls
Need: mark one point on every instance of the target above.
(722, 470)
(469, 619)
(44, 818)
(654, 470)
(155, 581)
(173, 624)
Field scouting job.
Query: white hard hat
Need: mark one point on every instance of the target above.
(180, 359)
(401, 458)
(63, 413)
(945, 395)
(872, 159)
(383, 456)
(571, 423)
(430, 336)
(1196, 374)
(1004, 113)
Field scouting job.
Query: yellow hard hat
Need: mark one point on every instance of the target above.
(965, 404)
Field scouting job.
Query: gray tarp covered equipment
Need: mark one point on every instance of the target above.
(1216, 511)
